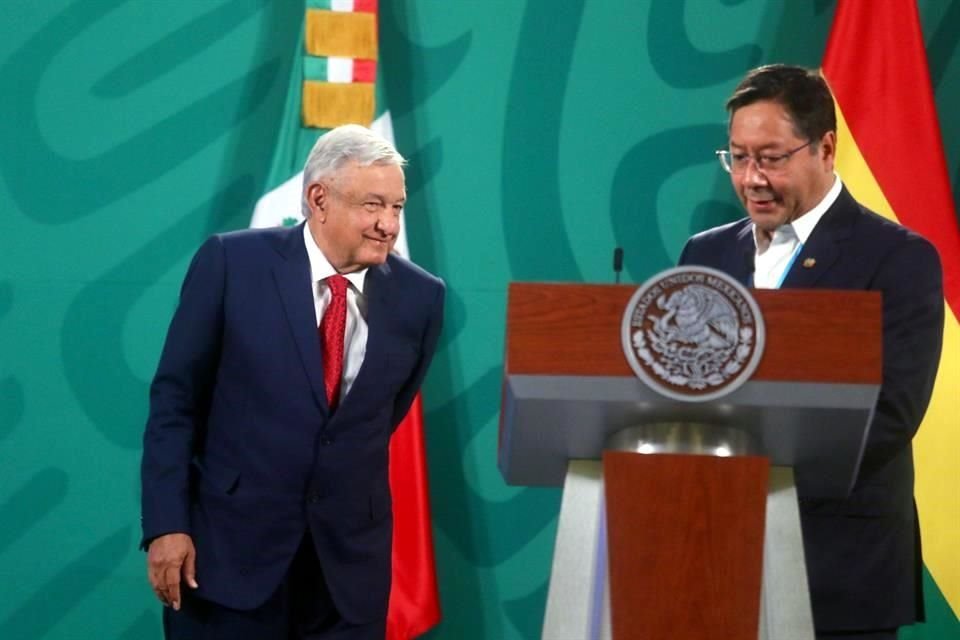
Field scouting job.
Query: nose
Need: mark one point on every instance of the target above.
(752, 175)
(388, 223)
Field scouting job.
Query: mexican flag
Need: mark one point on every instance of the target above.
(333, 82)
(890, 154)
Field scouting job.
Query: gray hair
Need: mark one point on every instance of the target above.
(340, 146)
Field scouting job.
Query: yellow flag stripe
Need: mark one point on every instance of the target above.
(330, 104)
(336, 33)
(936, 448)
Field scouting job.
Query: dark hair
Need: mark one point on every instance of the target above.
(802, 92)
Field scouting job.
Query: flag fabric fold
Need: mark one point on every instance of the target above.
(333, 82)
(890, 156)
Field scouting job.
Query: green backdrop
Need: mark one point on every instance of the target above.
(542, 134)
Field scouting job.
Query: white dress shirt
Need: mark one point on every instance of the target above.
(774, 257)
(355, 335)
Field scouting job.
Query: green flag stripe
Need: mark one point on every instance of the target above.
(315, 68)
(380, 100)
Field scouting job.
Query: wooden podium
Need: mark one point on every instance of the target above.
(679, 544)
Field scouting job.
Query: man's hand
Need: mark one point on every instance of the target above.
(170, 558)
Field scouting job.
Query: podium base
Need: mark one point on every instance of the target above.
(785, 598)
(578, 599)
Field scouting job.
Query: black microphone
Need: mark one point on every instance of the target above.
(617, 263)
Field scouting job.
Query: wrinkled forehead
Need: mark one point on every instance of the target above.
(385, 180)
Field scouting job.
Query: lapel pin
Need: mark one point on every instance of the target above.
(809, 263)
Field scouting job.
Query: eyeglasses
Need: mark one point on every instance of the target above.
(767, 163)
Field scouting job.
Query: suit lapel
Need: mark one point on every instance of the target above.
(292, 277)
(739, 262)
(377, 291)
(825, 244)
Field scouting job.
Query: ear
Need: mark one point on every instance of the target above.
(316, 199)
(828, 149)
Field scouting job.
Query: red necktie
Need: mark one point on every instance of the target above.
(332, 328)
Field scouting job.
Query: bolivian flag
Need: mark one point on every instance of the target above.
(890, 155)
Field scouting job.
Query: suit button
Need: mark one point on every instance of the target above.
(326, 441)
(313, 497)
(244, 571)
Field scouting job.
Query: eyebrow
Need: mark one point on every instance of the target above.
(381, 197)
(766, 147)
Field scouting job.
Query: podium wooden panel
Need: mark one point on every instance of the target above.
(573, 330)
(700, 576)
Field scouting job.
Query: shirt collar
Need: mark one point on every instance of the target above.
(803, 226)
(320, 267)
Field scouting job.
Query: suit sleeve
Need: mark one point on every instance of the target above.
(685, 256)
(911, 283)
(428, 345)
(180, 395)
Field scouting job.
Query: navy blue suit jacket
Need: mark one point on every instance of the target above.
(863, 552)
(240, 449)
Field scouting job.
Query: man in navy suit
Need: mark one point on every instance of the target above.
(292, 356)
(804, 229)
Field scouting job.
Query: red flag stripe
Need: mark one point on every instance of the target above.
(364, 70)
(365, 6)
(414, 599)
